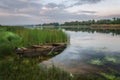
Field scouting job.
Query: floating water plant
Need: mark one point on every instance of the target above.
(108, 76)
(96, 61)
(111, 59)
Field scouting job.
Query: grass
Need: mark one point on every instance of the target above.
(16, 68)
(8, 41)
(28, 69)
(36, 36)
(12, 37)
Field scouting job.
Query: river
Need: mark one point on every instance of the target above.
(89, 53)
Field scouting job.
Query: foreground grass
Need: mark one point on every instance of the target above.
(28, 69)
(15, 68)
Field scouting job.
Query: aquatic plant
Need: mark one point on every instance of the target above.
(96, 61)
(38, 37)
(108, 76)
(111, 59)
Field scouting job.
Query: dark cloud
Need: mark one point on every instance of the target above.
(91, 12)
(11, 5)
(53, 5)
(28, 8)
(23, 6)
(16, 5)
(89, 1)
(81, 2)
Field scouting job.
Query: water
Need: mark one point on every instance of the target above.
(89, 53)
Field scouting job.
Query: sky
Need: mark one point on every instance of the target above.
(21, 12)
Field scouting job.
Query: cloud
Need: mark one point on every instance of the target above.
(20, 4)
(53, 5)
(22, 10)
(42, 11)
(89, 1)
(88, 12)
(11, 5)
(110, 16)
(81, 2)
(17, 4)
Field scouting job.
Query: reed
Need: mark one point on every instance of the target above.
(12, 37)
(38, 37)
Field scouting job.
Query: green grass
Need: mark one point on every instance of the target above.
(36, 36)
(11, 37)
(16, 68)
(8, 41)
(28, 69)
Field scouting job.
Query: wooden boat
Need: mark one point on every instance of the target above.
(41, 50)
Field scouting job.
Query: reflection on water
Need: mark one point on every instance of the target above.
(89, 53)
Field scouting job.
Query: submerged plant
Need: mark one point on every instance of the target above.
(96, 61)
(111, 59)
(108, 76)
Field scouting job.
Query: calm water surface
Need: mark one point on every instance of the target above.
(89, 53)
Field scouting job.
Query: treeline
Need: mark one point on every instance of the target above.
(77, 23)
(49, 24)
(89, 22)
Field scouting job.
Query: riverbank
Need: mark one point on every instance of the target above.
(106, 26)
(14, 67)
(94, 26)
